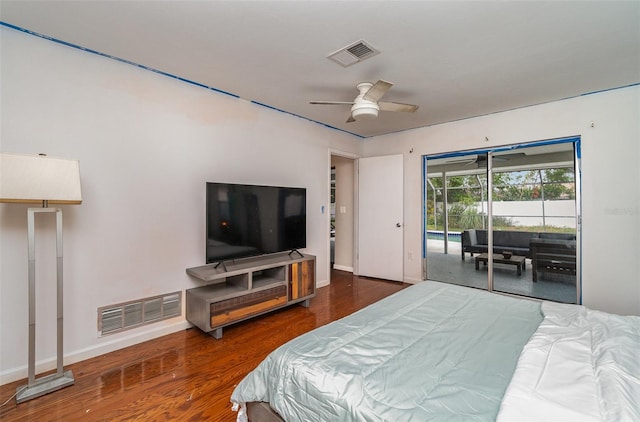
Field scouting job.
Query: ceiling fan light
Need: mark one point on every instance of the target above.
(364, 111)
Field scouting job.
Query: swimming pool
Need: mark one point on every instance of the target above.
(439, 235)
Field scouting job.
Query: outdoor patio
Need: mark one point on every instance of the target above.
(452, 269)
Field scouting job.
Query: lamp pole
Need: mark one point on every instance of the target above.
(61, 378)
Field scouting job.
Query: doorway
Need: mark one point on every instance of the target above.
(342, 207)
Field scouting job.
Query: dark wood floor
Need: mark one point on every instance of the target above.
(188, 376)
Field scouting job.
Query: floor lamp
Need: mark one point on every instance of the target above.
(38, 179)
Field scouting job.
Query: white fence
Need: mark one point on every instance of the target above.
(557, 213)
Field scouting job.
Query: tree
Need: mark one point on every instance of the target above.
(559, 183)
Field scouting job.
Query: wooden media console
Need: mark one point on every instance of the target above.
(248, 287)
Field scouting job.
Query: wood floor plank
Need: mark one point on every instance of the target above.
(188, 375)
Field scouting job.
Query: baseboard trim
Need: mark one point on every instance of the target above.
(342, 268)
(412, 280)
(322, 283)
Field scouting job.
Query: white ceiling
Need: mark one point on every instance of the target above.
(454, 59)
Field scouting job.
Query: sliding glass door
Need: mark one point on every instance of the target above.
(505, 220)
(453, 202)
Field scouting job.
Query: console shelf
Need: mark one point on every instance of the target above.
(247, 288)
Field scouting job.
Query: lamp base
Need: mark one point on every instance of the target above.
(44, 385)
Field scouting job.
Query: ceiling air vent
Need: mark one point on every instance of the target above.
(353, 53)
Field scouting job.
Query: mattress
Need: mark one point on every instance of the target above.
(432, 351)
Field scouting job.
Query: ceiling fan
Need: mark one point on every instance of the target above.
(367, 104)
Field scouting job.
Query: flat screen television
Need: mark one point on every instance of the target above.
(247, 220)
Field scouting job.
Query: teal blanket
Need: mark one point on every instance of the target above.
(431, 352)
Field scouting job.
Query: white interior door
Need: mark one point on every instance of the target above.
(380, 217)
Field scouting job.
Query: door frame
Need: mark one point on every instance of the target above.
(339, 153)
(575, 140)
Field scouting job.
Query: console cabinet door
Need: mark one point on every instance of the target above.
(302, 280)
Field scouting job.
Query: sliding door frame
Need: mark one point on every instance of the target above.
(574, 140)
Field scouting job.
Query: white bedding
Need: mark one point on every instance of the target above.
(580, 365)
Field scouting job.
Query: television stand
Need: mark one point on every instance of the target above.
(251, 287)
(224, 267)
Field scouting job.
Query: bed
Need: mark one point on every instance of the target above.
(441, 352)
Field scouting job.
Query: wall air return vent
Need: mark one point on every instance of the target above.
(353, 53)
(123, 316)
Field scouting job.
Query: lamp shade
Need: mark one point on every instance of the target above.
(36, 178)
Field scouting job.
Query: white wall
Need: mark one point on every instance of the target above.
(610, 180)
(146, 144)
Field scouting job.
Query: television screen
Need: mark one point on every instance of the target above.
(246, 220)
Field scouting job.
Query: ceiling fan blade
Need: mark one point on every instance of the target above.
(506, 157)
(387, 106)
(350, 119)
(332, 102)
(463, 161)
(377, 90)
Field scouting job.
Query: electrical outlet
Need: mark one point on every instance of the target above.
(410, 255)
